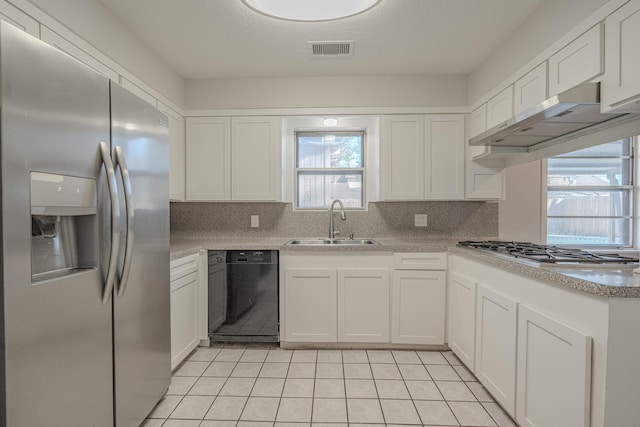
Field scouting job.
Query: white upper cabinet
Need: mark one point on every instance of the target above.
(233, 158)
(530, 89)
(403, 157)
(482, 181)
(255, 158)
(444, 157)
(19, 19)
(576, 63)
(423, 157)
(478, 121)
(175, 123)
(208, 158)
(621, 81)
(500, 107)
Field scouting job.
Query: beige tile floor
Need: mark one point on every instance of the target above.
(267, 386)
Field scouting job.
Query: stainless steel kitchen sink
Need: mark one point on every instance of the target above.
(328, 242)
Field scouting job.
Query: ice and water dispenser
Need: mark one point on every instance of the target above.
(63, 225)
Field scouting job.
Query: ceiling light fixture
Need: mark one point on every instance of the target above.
(330, 122)
(310, 10)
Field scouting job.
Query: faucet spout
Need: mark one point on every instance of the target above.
(343, 216)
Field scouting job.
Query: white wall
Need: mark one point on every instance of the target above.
(95, 23)
(312, 92)
(520, 214)
(550, 21)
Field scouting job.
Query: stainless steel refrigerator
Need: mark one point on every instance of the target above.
(84, 301)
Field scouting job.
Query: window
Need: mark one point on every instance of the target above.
(589, 196)
(329, 166)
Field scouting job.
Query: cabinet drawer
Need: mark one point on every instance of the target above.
(420, 261)
(183, 266)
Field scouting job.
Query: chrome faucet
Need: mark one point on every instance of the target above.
(343, 216)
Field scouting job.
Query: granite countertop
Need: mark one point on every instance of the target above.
(608, 281)
(185, 246)
(605, 281)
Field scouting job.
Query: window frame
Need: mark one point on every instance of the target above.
(329, 171)
(631, 189)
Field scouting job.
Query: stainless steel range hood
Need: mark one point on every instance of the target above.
(567, 112)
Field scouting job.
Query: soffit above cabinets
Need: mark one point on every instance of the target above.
(203, 39)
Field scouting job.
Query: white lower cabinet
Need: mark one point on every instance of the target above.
(376, 298)
(310, 304)
(462, 318)
(496, 344)
(418, 305)
(184, 308)
(418, 298)
(363, 305)
(554, 372)
(535, 365)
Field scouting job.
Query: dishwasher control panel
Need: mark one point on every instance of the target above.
(252, 257)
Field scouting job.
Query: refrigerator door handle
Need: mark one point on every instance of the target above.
(112, 184)
(120, 162)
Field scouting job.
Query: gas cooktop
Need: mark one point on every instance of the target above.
(546, 254)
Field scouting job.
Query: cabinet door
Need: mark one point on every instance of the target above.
(310, 304)
(19, 19)
(500, 108)
(483, 181)
(444, 157)
(621, 81)
(418, 307)
(576, 63)
(184, 310)
(403, 157)
(531, 89)
(478, 121)
(462, 318)
(496, 321)
(208, 158)
(255, 168)
(553, 376)
(175, 123)
(363, 305)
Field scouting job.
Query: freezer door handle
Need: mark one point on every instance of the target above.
(120, 163)
(112, 185)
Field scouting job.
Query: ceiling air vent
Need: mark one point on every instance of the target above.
(339, 48)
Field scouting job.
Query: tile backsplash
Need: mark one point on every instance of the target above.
(446, 220)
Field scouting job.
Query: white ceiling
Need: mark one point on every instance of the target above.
(203, 39)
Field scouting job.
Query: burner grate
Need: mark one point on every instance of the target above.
(546, 254)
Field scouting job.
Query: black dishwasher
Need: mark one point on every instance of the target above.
(251, 298)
